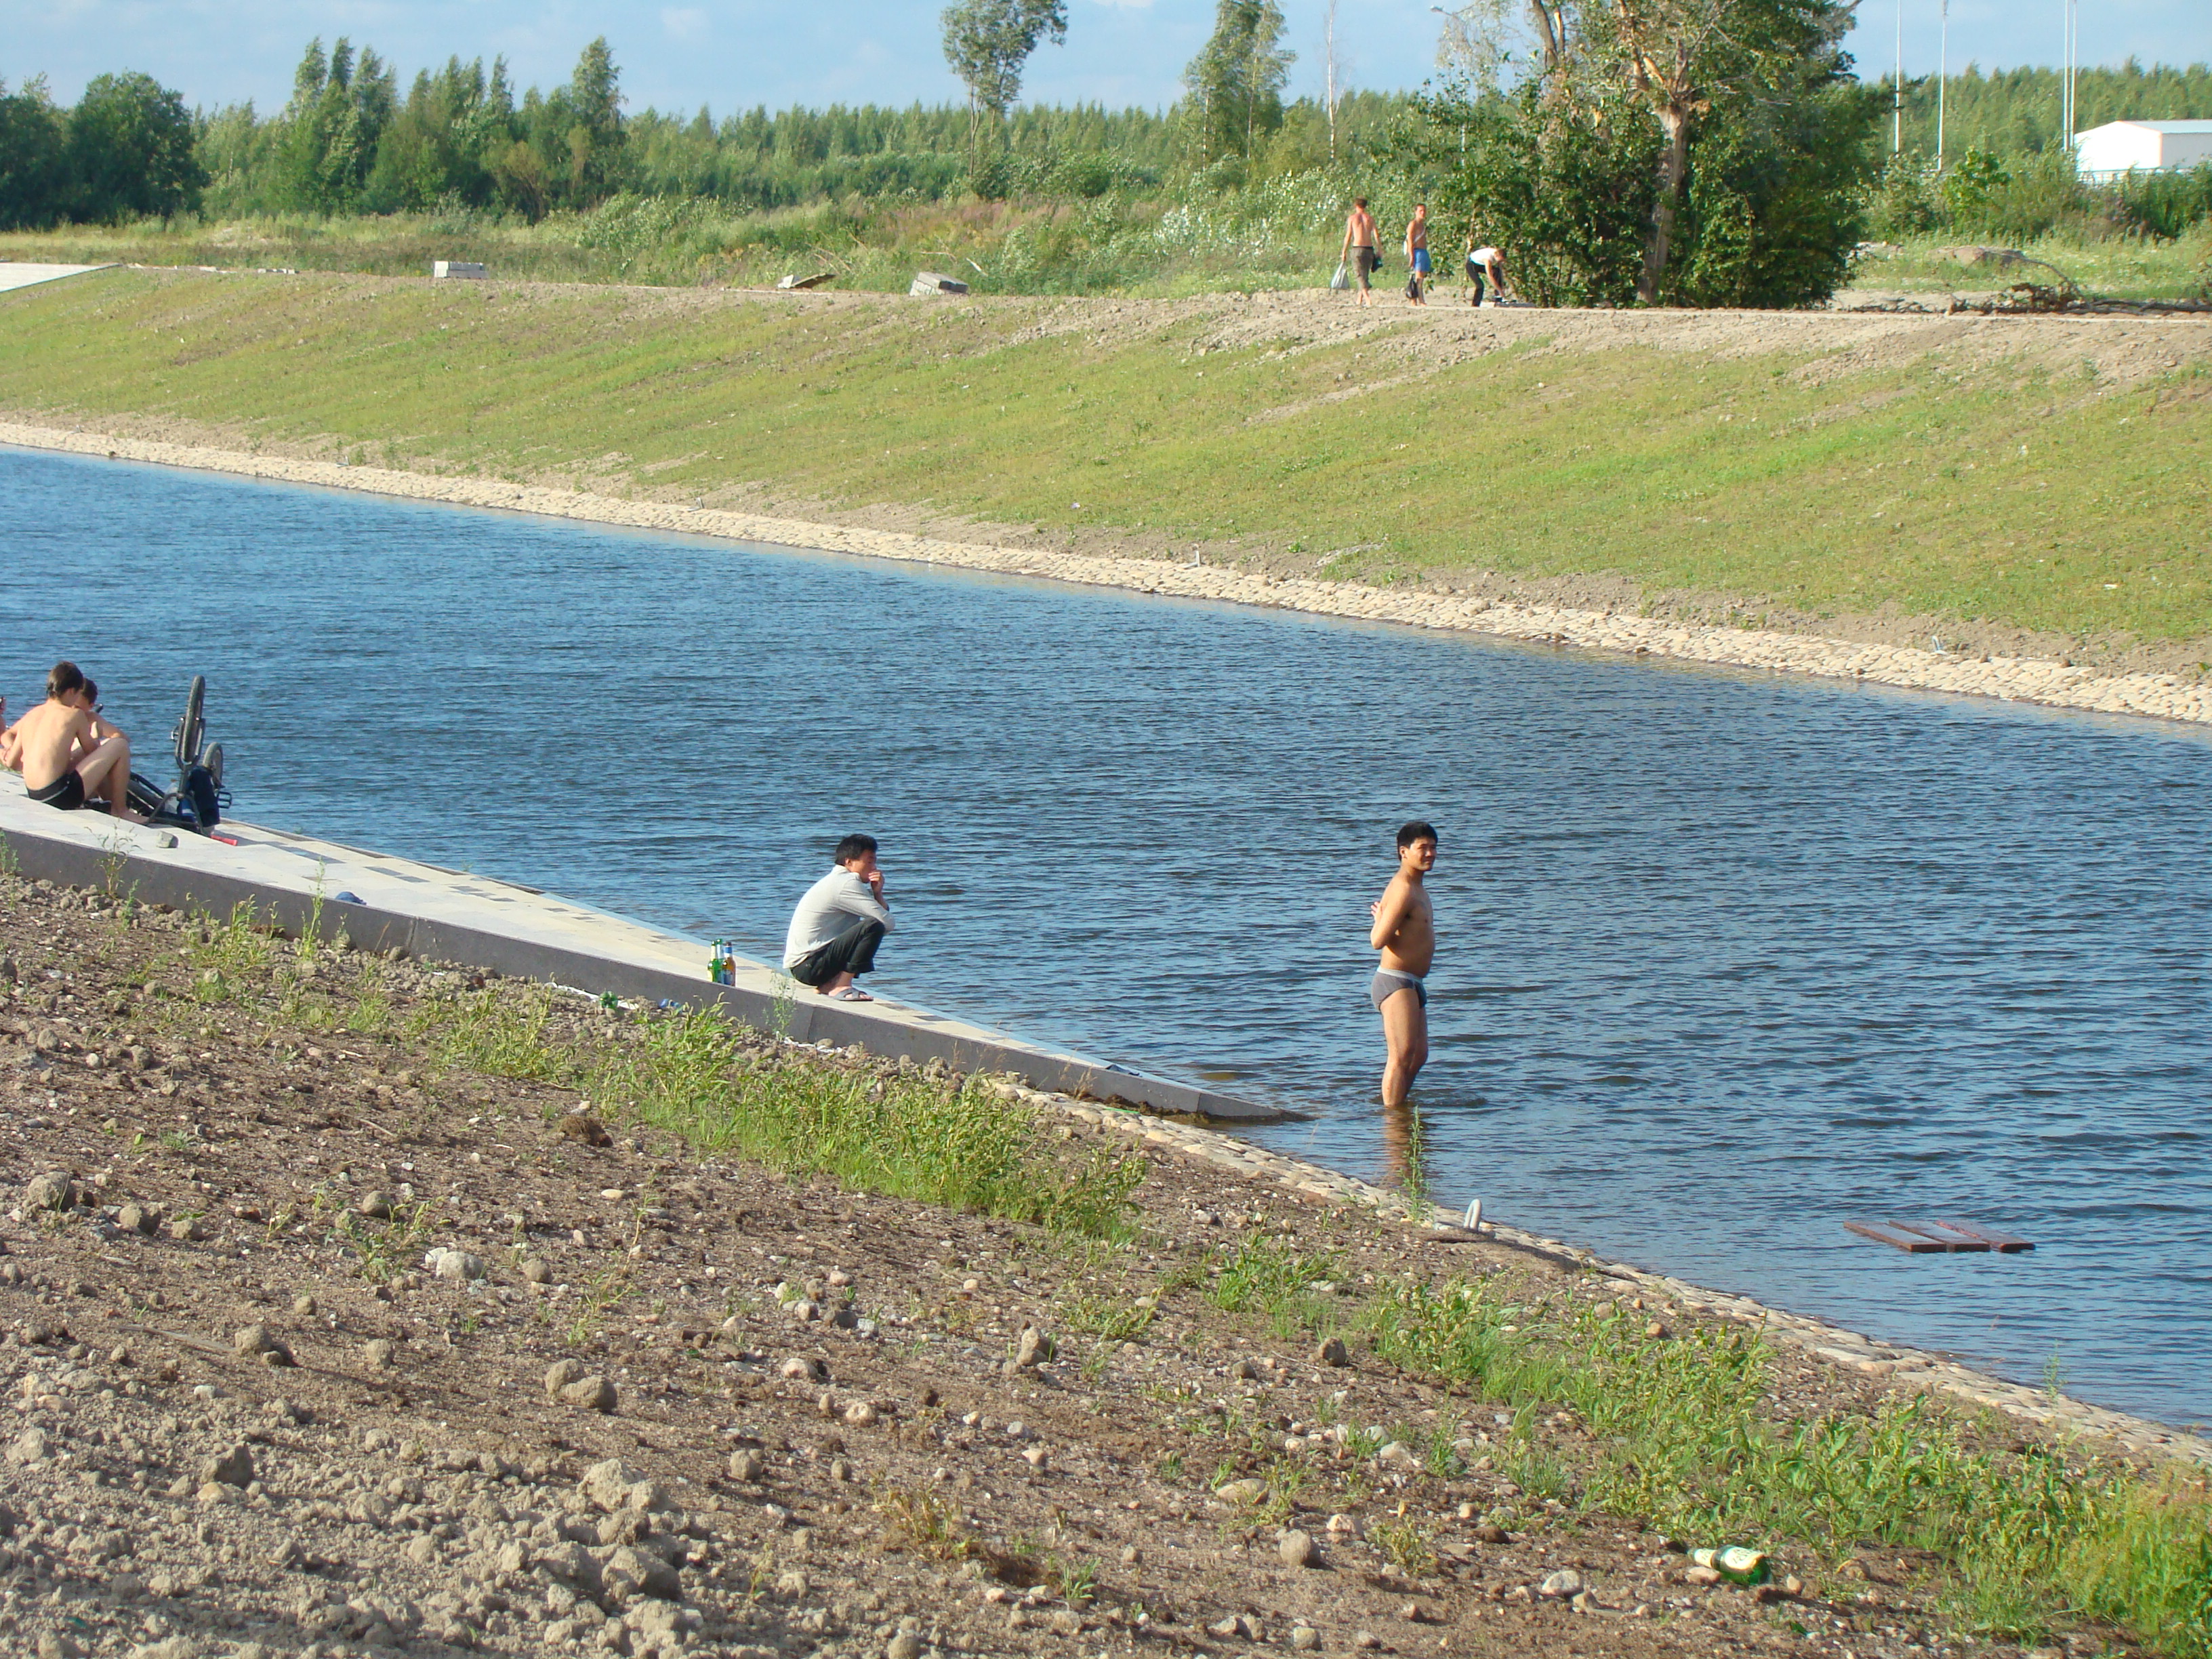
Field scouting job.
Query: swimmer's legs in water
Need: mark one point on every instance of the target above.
(1406, 1036)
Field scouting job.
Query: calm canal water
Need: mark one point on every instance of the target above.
(1726, 959)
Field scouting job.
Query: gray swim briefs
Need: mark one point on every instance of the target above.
(1388, 982)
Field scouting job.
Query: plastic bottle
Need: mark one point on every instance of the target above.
(1734, 1563)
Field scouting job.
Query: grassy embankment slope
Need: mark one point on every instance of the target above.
(1818, 470)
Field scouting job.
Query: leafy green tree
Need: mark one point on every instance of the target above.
(1235, 85)
(338, 115)
(444, 144)
(988, 43)
(33, 158)
(131, 150)
(589, 109)
(1725, 143)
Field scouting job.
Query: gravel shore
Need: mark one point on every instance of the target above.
(2058, 684)
(319, 1343)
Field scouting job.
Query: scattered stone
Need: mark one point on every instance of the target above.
(537, 1271)
(1398, 1454)
(445, 1262)
(1304, 1638)
(1704, 1577)
(50, 1191)
(1064, 1621)
(139, 1218)
(255, 1342)
(233, 1468)
(1246, 1493)
(303, 1306)
(747, 1465)
(904, 1645)
(376, 1206)
(1490, 1532)
(631, 1573)
(791, 1584)
(592, 1392)
(804, 1368)
(860, 1413)
(188, 1229)
(1557, 1586)
(581, 1125)
(1654, 1329)
(1036, 1457)
(1331, 1351)
(1296, 1548)
(559, 1375)
(1034, 1347)
(378, 1353)
(30, 1447)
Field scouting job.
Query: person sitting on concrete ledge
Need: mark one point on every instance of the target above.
(67, 755)
(839, 924)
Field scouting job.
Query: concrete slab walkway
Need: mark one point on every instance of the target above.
(383, 903)
(24, 275)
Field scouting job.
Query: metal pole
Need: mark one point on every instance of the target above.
(1943, 81)
(1896, 88)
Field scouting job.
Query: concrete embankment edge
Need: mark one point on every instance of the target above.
(885, 1029)
(2162, 696)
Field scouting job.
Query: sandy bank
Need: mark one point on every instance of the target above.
(2057, 684)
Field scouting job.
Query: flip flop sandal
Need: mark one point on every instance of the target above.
(850, 994)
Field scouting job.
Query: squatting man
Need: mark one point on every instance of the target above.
(839, 924)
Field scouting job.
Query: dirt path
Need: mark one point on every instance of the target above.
(317, 1344)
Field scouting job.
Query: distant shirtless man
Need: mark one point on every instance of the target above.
(66, 754)
(1359, 247)
(1405, 932)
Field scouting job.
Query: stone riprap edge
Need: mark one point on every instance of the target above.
(1903, 1367)
(2011, 679)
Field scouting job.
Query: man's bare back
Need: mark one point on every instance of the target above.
(66, 754)
(48, 742)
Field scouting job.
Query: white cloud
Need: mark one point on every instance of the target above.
(683, 22)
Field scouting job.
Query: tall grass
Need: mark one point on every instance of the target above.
(1682, 1435)
(907, 1136)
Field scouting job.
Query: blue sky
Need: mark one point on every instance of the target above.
(735, 53)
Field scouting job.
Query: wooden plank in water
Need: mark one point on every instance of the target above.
(1947, 1238)
(2004, 1244)
(1908, 1243)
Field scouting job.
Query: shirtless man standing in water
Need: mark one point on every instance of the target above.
(1405, 932)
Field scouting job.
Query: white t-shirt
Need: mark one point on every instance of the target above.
(832, 905)
(1484, 256)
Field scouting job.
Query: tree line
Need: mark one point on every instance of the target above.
(1695, 152)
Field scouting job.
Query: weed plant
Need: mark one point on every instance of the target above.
(905, 1137)
(1681, 1434)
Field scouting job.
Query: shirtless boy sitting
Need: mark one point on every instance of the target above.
(1405, 932)
(66, 753)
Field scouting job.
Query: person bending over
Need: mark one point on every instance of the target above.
(839, 924)
(67, 754)
(1405, 932)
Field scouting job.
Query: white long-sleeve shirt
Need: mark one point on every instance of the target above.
(832, 905)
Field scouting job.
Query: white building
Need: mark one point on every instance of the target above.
(2122, 146)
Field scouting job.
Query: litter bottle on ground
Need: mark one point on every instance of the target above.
(1734, 1563)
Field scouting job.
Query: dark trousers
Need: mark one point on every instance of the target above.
(1474, 275)
(852, 951)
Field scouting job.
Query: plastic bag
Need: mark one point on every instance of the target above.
(1342, 280)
